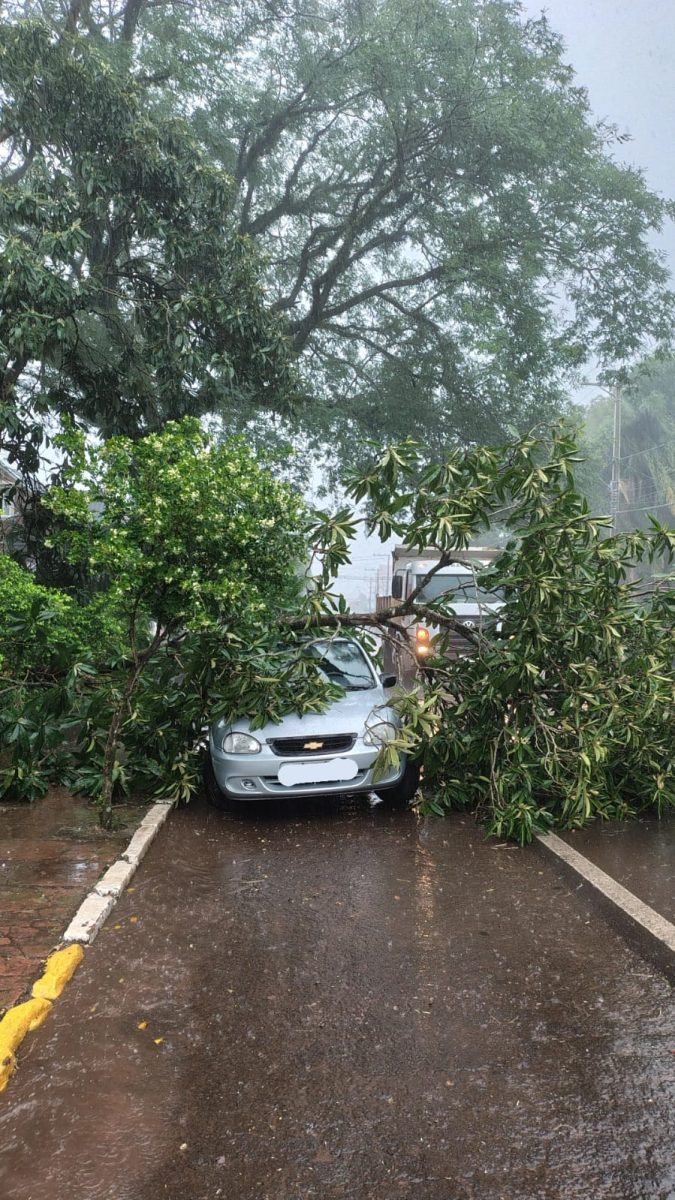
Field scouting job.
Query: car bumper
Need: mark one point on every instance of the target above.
(253, 776)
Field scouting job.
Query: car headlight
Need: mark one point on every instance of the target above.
(241, 743)
(379, 733)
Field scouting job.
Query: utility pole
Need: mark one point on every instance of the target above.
(616, 460)
(615, 485)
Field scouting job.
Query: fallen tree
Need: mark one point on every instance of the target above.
(565, 709)
(563, 712)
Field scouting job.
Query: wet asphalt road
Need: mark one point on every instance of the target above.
(640, 854)
(347, 1003)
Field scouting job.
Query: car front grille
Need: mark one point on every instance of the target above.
(302, 746)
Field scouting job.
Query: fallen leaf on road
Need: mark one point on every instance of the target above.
(142, 1025)
(158, 1041)
(133, 920)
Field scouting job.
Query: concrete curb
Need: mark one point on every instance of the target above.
(102, 899)
(61, 965)
(653, 934)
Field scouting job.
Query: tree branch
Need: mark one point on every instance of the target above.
(380, 289)
(408, 607)
(73, 15)
(132, 13)
(387, 618)
(18, 173)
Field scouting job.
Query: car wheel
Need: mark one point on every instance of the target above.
(403, 792)
(214, 794)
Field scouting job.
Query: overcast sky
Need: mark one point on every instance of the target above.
(623, 53)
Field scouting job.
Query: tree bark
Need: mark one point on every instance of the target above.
(110, 752)
(132, 14)
(73, 17)
(385, 618)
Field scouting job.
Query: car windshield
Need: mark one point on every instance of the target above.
(344, 663)
(463, 587)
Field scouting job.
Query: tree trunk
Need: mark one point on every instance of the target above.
(110, 752)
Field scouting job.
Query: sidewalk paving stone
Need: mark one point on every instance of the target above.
(52, 853)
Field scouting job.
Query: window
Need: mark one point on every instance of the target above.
(463, 587)
(344, 663)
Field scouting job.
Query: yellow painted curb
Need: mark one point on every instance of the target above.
(20, 1020)
(60, 967)
(14, 1026)
(7, 1065)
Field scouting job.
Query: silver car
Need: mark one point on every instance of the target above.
(318, 753)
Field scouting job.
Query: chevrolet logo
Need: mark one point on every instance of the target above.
(312, 745)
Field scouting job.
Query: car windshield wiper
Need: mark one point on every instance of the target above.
(343, 680)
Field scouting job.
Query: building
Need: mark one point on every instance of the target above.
(9, 507)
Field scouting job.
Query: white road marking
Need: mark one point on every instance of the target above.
(659, 928)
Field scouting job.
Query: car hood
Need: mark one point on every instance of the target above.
(347, 715)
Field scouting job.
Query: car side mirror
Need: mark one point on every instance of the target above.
(388, 681)
(397, 587)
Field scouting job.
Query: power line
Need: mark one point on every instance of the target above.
(647, 450)
(658, 502)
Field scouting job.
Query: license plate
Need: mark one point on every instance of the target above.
(330, 770)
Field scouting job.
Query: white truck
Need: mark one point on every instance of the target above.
(404, 652)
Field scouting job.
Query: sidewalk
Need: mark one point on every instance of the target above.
(51, 854)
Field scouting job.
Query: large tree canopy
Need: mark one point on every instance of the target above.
(447, 230)
(127, 296)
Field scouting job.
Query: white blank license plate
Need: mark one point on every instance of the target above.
(332, 770)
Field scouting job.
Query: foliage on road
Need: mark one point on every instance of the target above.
(564, 711)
